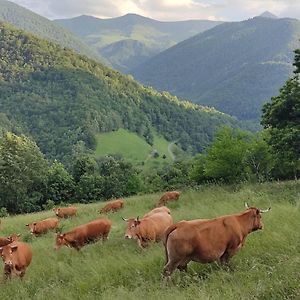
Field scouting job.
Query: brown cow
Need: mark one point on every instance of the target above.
(149, 228)
(112, 206)
(65, 212)
(205, 241)
(157, 210)
(168, 196)
(16, 257)
(43, 226)
(84, 234)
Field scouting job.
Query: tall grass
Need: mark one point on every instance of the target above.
(266, 268)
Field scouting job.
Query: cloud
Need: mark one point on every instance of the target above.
(165, 10)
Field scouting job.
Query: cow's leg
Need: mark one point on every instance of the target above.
(170, 267)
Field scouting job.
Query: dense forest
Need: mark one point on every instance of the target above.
(60, 98)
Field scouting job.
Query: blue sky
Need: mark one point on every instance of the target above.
(164, 10)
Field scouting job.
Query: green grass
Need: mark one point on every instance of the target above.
(266, 268)
(133, 148)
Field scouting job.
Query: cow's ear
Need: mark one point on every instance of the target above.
(27, 225)
(19, 234)
(14, 248)
(137, 221)
(54, 209)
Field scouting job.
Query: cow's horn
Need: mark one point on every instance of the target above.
(126, 220)
(264, 210)
(246, 205)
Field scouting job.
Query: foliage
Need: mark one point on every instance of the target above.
(221, 68)
(22, 173)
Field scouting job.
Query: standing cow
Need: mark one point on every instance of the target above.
(43, 226)
(84, 234)
(168, 196)
(206, 241)
(112, 206)
(65, 212)
(150, 228)
(16, 257)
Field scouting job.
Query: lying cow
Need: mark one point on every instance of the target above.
(150, 228)
(8, 240)
(65, 212)
(16, 257)
(43, 226)
(112, 206)
(206, 241)
(168, 196)
(84, 234)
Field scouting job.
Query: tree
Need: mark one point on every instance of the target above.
(23, 171)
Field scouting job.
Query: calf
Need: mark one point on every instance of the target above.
(84, 234)
(168, 196)
(43, 226)
(16, 257)
(7, 240)
(112, 206)
(65, 212)
(205, 241)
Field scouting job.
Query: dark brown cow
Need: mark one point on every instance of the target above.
(43, 226)
(158, 210)
(65, 212)
(149, 228)
(205, 241)
(84, 234)
(16, 257)
(168, 196)
(112, 206)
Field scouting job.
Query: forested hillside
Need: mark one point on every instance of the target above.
(29, 21)
(235, 67)
(62, 99)
(143, 37)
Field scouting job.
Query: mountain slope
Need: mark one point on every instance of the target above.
(235, 67)
(29, 21)
(63, 100)
(151, 34)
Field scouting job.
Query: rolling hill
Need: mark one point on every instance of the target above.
(29, 21)
(142, 37)
(62, 100)
(235, 67)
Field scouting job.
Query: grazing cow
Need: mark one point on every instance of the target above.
(157, 210)
(65, 212)
(206, 241)
(112, 206)
(149, 228)
(84, 234)
(168, 196)
(16, 257)
(43, 226)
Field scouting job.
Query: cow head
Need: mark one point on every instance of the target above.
(7, 255)
(14, 237)
(131, 227)
(255, 217)
(60, 241)
(56, 210)
(31, 227)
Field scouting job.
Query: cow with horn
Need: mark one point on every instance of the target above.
(205, 241)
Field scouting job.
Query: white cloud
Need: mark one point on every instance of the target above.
(165, 10)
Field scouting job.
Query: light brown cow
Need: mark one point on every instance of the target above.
(158, 210)
(16, 257)
(84, 234)
(149, 228)
(65, 212)
(206, 241)
(43, 226)
(112, 206)
(168, 196)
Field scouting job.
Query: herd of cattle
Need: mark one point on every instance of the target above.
(203, 240)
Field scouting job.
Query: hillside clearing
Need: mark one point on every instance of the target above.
(266, 268)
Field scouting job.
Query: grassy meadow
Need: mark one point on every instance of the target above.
(266, 268)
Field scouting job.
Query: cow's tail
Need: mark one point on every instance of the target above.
(169, 230)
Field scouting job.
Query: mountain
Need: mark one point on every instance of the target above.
(29, 21)
(63, 100)
(234, 67)
(268, 14)
(152, 35)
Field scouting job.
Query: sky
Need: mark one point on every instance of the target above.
(164, 10)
